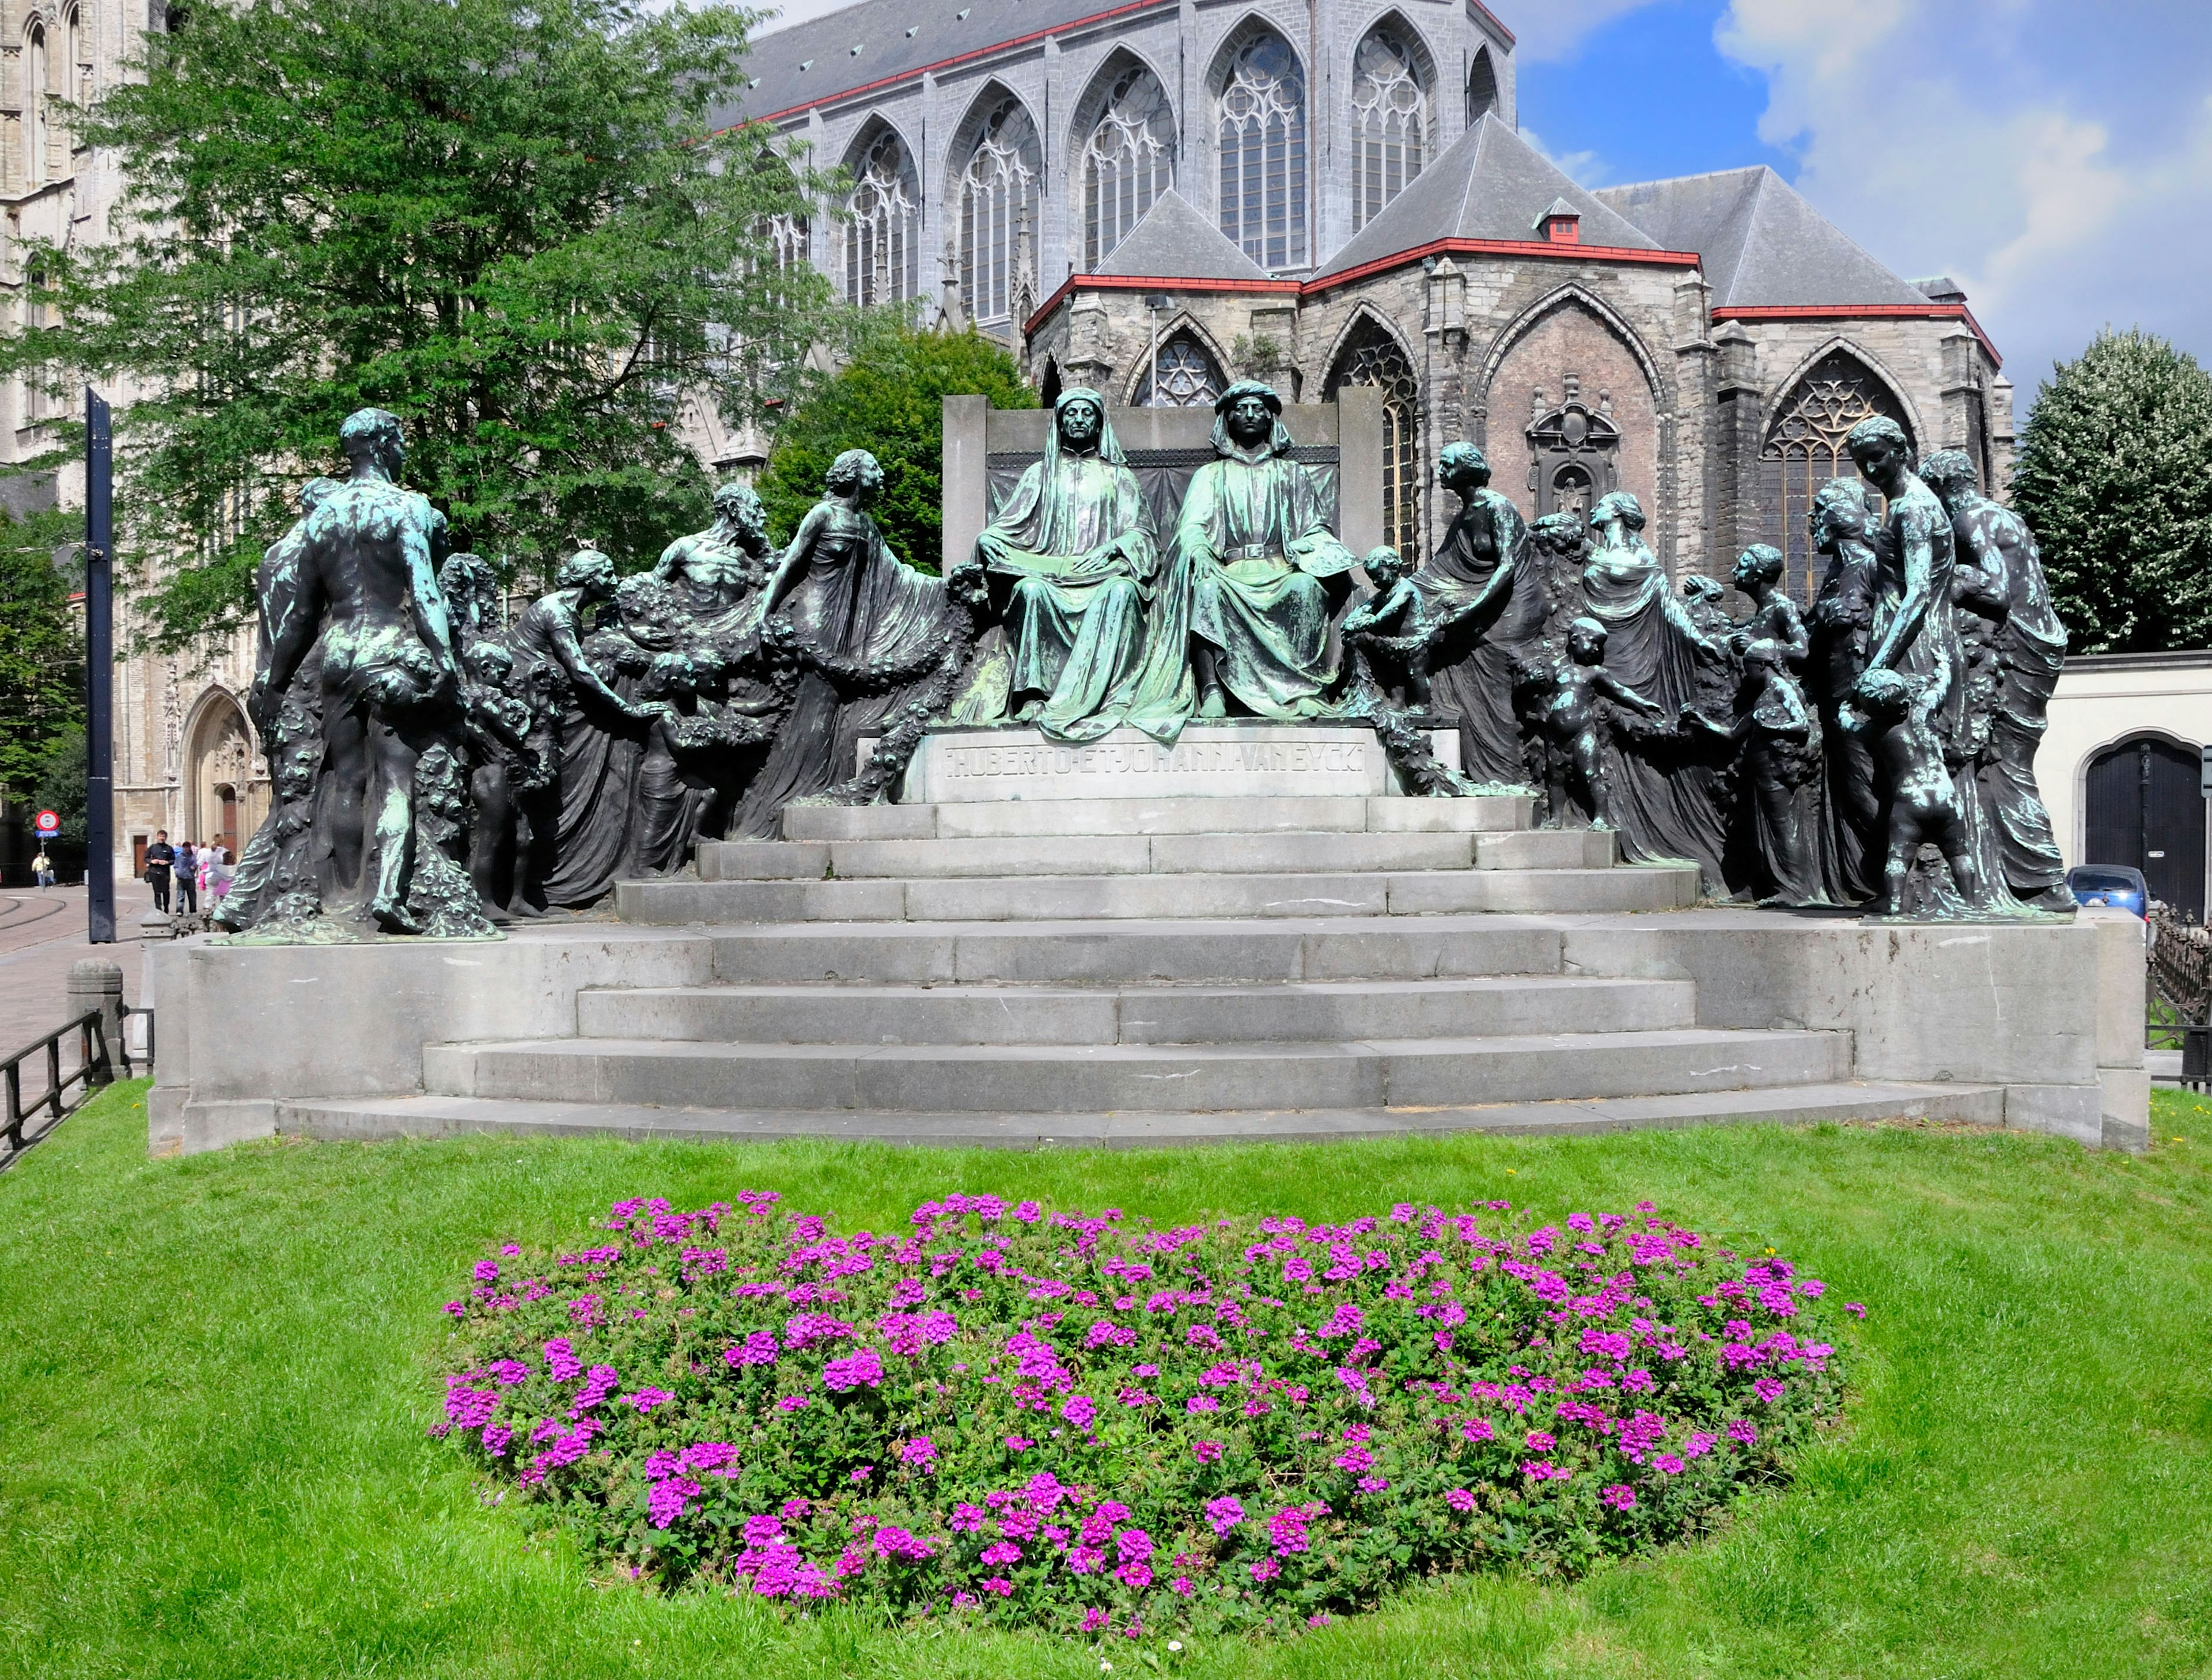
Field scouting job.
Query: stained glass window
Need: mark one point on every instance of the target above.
(885, 228)
(1389, 123)
(997, 196)
(1189, 376)
(1127, 162)
(1373, 357)
(1805, 449)
(1262, 138)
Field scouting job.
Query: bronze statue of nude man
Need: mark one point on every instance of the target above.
(368, 581)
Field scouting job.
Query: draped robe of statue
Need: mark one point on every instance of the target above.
(1252, 549)
(1780, 788)
(1841, 625)
(852, 605)
(2031, 646)
(1667, 800)
(1471, 672)
(1075, 626)
(579, 826)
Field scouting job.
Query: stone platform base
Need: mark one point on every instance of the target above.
(1243, 759)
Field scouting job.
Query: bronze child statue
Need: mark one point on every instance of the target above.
(1573, 722)
(1395, 624)
(1924, 801)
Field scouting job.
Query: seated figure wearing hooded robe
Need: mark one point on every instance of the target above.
(1260, 572)
(1072, 557)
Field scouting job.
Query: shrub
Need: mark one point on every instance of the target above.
(1087, 1423)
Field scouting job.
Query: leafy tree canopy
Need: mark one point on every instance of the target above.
(41, 655)
(888, 400)
(503, 220)
(63, 780)
(2114, 478)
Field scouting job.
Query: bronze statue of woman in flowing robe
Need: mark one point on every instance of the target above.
(1667, 800)
(1258, 568)
(1072, 555)
(1482, 585)
(1842, 631)
(866, 628)
(2030, 646)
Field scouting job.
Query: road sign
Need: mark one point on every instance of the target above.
(47, 822)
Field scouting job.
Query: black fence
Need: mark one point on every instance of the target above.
(94, 1068)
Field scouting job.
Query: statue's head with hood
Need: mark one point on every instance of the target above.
(1248, 421)
(1080, 427)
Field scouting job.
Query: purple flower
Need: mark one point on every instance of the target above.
(1743, 1429)
(561, 1361)
(507, 1372)
(1135, 1576)
(666, 1503)
(1855, 1309)
(487, 1271)
(598, 1382)
(966, 1519)
(1619, 1495)
(495, 1438)
(1538, 1441)
(1201, 1402)
(1093, 1620)
(901, 1546)
(863, 1369)
(1477, 1428)
(1224, 1514)
(647, 1399)
(1206, 1451)
(1353, 1458)
(1080, 1410)
(1085, 1560)
(1372, 1484)
(757, 1349)
(1460, 1499)
(1132, 1544)
(470, 1408)
(1266, 1569)
(1769, 1389)
(1667, 1464)
(793, 1402)
(1001, 1551)
(762, 1531)
(920, 1453)
(998, 1585)
(1181, 1586)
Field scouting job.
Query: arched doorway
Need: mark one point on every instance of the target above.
(221, 796)
(2144, 809)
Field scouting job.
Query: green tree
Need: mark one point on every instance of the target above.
(888, 399)
(41, 655)
(2115, 479)
(63, 777)
(503, 220)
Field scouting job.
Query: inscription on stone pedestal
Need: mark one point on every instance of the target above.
(1219, 760)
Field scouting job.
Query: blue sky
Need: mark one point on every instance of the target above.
(2055, 156)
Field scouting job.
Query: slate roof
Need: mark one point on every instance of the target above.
(812, 63)
(1762, 244)
(1175, 238)
(1490, 183)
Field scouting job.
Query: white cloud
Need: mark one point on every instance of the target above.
(1962, 143)
(1586, 168)
(1546, 33)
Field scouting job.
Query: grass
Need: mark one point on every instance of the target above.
(214, 1379)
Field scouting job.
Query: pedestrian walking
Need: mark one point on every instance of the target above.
(42, 866)
(219, 871)
(161, 857)
(188, 878)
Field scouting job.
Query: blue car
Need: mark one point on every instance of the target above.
(2114, 884)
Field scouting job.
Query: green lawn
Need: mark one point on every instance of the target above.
(215, 1375)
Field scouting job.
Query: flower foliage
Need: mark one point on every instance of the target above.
(1034, 1418)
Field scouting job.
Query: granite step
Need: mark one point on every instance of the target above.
(372, 1118)
(1211, 852)
(680, 901)
(1487, 813)
(1053, 1078)
(1136, 951)
(1034, 1015)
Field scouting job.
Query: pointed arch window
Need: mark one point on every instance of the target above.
(997, 209)
(1389, 122)
(1127, 161)
(1481, 88)
(1262, 142)
(1372, 357)
(38, 84)
(1804, 449)
(885, 229)
(69, 86)
(1189, 377)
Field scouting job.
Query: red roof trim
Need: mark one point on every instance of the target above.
(1495, 21)
(957, 58)
(1449, 248)
(1861, 311)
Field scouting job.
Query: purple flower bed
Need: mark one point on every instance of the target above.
(1034, 1418)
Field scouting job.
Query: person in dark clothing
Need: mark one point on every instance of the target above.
(161, 857)
(188, 878)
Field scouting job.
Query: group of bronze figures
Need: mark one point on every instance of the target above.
(437, 770)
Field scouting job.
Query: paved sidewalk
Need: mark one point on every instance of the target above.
(42, 934)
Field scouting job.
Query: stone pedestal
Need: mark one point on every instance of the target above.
(1243, 759)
